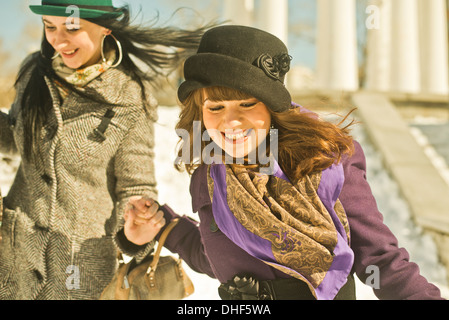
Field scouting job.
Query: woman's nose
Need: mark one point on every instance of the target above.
(233, 118)
(60, 40)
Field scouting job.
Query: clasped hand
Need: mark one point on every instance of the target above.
(143, 220)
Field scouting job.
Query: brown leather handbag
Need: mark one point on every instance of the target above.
(155, 278)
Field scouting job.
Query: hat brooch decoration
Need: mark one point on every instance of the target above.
(275, 67)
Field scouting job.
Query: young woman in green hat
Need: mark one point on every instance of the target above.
(82, 122)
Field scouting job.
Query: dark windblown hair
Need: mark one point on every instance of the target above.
(153, 46)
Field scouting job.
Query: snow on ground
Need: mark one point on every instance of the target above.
(398, 217)
(431, 134)
(8, 167)
(174, 190)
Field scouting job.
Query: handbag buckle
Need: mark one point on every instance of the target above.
(151, 277)
(150, 268)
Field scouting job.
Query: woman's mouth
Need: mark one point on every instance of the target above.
(236, 136)
(69, 54)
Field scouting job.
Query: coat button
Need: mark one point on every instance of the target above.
(213, 226)
(51, 132)
(38, 275)
(48, 180)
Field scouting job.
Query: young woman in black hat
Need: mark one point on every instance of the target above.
(296, 227)
(82, 122)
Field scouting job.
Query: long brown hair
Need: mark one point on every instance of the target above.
(306, 143)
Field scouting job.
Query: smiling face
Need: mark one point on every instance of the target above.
(236, 126)
(78, 43)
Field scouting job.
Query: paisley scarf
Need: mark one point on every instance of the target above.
(300, 229)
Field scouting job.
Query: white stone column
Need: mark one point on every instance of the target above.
(405, 60)
(434, 46)
(337, 62)
(272, 17)
(240, 12)
(378, 24)
(323, 59)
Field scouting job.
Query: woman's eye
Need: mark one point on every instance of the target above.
(73, 27)
(69, 29)
(216, 108)
(248, 105)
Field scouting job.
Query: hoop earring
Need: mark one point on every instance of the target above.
(120, 50)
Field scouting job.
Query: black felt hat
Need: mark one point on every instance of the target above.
(243, 58)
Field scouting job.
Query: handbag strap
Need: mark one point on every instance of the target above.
(164, 235)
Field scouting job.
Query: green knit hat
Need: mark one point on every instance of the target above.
(88, 9)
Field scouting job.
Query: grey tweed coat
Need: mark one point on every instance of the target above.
(62, 212)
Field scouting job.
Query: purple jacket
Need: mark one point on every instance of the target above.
(207, 250)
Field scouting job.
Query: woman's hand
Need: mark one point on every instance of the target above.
(143, 220)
